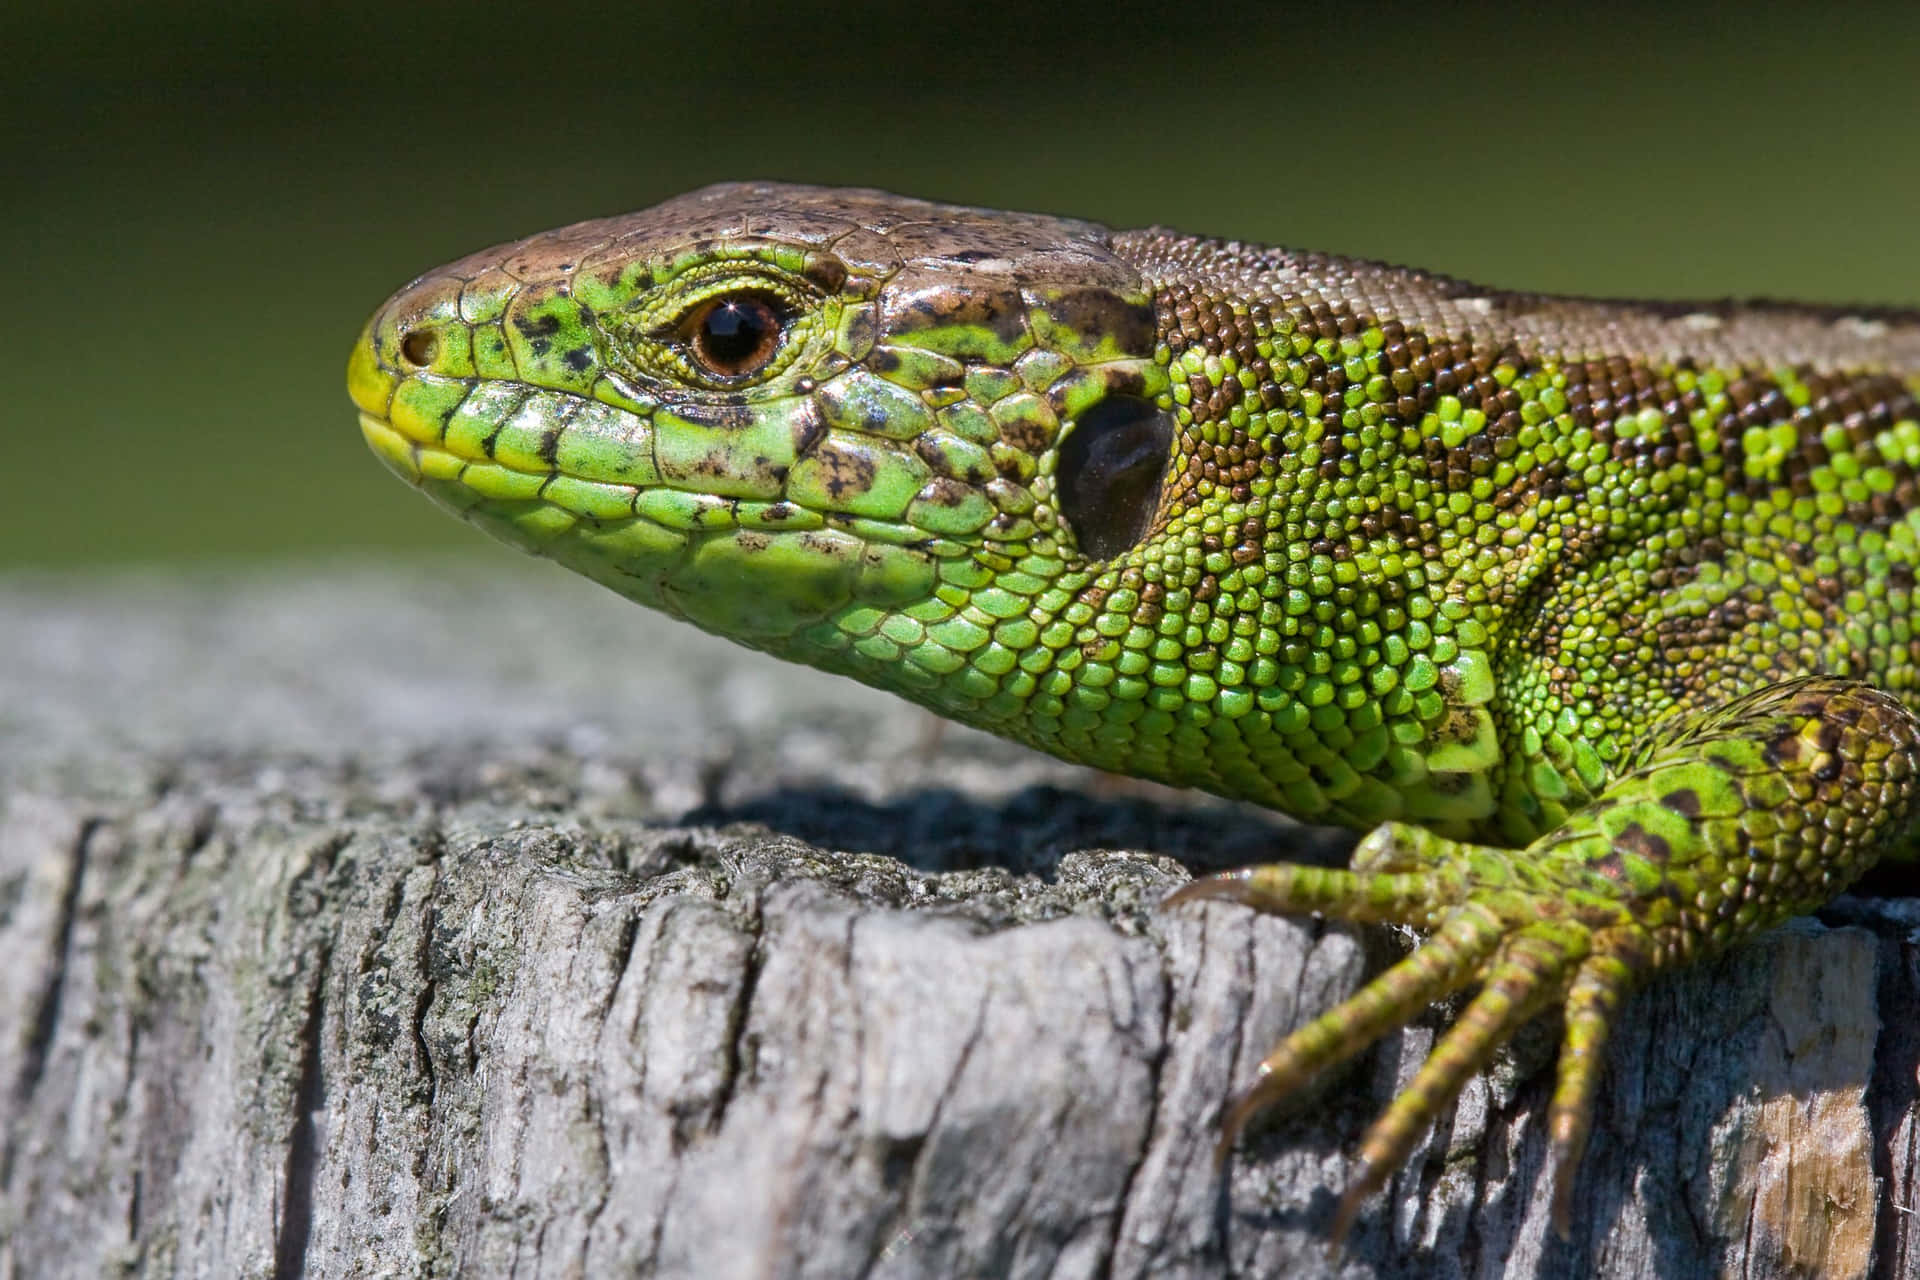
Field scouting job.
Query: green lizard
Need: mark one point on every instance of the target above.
(1598, 616)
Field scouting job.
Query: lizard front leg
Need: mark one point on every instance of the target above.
(1728, 822)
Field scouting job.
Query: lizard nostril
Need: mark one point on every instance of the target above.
(418, 347)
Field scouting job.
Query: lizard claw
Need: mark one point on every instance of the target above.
(1226, 885)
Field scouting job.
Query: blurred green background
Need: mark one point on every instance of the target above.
(203, 201)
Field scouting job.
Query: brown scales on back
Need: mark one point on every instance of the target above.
(1831, 353)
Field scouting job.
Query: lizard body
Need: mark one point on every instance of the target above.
(1597, 615)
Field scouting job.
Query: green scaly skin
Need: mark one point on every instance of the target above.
(1599, 616)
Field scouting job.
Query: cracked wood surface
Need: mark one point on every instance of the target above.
(375, 922)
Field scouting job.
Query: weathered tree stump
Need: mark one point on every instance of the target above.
(381, 923)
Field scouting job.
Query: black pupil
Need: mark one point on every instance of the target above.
(1109, 473)
(737, 332)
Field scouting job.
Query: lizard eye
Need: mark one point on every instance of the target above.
(1109, 473)
(736, 335)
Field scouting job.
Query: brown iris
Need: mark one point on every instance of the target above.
(735, 336)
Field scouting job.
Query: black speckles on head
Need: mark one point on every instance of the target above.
(1119, 322)
(846, 469)
(538, 328)
(945, 304)
(943, 491)
(1637, 840)
(1684, 801)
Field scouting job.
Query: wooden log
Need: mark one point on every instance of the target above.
(463, 921)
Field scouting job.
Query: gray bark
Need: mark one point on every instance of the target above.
(469, 922)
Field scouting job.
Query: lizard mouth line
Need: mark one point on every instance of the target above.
(468, 482)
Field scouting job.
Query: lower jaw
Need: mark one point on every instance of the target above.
(759, 572)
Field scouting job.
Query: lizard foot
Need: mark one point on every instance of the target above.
(1728, 821)
(1530, 934)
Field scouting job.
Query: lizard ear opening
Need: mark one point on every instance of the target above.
(1109, 473)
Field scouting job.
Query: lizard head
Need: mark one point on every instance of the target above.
(987, 461)
(788, 413)
(1190, 509)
